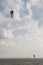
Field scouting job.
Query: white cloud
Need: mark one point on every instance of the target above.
(8, 43)
(2, 18)
(8, 34)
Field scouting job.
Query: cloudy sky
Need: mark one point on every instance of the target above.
(22, 35)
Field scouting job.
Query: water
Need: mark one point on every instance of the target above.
(23, 61)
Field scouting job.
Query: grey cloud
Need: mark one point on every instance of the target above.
(37, 13)
(1, 34)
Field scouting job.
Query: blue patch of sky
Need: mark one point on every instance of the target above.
(7, 15)
(14, 24)
(4, 25)
(24, 12)
(25, 2)
(1, 5)
(20, 32)
(1, 8)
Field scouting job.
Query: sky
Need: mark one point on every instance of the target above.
(22, 35)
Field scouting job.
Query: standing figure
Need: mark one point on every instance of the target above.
(34, 56)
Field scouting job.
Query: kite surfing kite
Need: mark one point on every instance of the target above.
(12, 13)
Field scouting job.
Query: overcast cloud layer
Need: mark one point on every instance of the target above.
(22, 35)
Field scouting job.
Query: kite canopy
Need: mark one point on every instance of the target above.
(11, 13)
